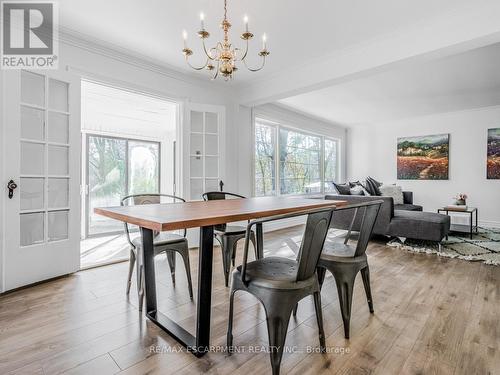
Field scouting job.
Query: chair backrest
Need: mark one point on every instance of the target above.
(370, 212)
(312, 242)
(220, 195)
(139, 199)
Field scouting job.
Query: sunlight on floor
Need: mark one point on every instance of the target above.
(97, 251)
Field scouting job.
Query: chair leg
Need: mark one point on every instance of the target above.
(319, 319)
(185, 258)
(130, 270)
(365, 274)
(171, 263)
(345, 286)
(226, 248)
(277, 325)
(230, 323)
(254, 243)
(321, 272)
(139, 275)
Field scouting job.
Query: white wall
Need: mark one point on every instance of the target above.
(372, 152)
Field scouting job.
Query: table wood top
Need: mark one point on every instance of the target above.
(173, 216)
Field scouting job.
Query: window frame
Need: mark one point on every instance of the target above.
(276, 127)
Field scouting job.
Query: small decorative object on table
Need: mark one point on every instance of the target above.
(460, 199)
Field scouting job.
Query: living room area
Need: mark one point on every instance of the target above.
(250, 187)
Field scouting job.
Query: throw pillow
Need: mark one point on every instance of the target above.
(343, 189)
(374, 186)
(393, 191)
(357, 190)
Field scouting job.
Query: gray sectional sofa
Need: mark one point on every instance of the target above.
(406, 220)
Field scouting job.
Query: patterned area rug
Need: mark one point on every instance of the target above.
(484, 246)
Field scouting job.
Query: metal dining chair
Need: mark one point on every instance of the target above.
(344, 261)
(279, 283)
(228, 235)
(164, 242)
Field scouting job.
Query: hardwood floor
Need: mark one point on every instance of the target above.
(433, 315)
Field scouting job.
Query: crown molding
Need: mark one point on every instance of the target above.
(110, 50)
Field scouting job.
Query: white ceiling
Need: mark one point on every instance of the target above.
(298, 31)
(463, 81)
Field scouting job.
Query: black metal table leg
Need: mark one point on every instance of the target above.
(198, 345)
(260, 240)
(204, 306)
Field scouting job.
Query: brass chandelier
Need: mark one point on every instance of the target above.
(222, 58)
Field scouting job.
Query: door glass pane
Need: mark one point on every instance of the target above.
(211, 144)
(58, 192)
(196, 166)
(196, 188)
(106, 179)
(32, 123)
(32, 88)
(196, 121)
(58, 160)
(211, 184)
(31, 190)
(58, 129)
(144, 166)
(31, 228)
(58, 225)
(211, 122)
(58, 95)
(32, 158)
(196, 144)
(211, 166)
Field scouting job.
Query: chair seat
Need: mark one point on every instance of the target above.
(232, 229)
(163, 238)
(340, 252)
(273, 273)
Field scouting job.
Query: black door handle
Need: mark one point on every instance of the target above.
(11, 186)
(221, 185)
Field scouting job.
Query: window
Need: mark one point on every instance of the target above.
(300, 162)
(265, 170)
(307, 163)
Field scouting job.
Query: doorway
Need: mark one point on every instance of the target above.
(128, 147)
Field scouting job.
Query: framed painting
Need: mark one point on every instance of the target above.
(423, 158)
(493, 156)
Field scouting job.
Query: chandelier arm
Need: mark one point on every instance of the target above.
(205, 49)
(195, 67)
(216, 70)
(246, 52)
(255, 69)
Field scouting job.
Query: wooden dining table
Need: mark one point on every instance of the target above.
(175, 216)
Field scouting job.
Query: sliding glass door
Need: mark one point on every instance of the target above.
(117, 167)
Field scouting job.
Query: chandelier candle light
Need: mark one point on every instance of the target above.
(223, 57)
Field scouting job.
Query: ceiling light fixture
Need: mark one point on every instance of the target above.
(223, 57)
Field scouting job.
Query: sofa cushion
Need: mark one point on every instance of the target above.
(428, 226)
(408, 207)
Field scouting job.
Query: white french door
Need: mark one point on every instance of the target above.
(204, 155)
(42, 225)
